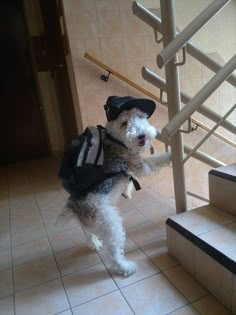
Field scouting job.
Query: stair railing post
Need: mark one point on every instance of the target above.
(174, 106)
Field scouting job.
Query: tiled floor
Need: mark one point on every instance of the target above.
(46, 268)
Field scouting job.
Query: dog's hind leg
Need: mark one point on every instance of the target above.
(94, 242)
(113, 235)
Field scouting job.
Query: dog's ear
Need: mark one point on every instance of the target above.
(112, 112)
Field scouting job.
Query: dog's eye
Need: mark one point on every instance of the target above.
(124, 124)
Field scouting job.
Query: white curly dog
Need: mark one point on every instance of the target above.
(128, 134)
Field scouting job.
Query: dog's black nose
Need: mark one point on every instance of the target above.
(142, 136)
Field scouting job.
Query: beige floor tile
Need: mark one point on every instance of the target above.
(146, 233)
(183, 281)
(6, 283)
(133, 218)
(22, 203)
(130, 245)
(88, 284)
(35, 272)
(31, 251)
(144, 197)
(67, 239)
(46, 299)
(145, 268)
(206, 269)
(68, 312)
(157, 210)
(186, 310)
(5, 259)
(7, 306)
(125, 204)
(5, 239)
(161, 222)
(210, 306)
(154, 295)
(47, 198)
(110, 304)
(19, 213)
(4, 209)
(223, 239)
(158, 253)
(26, 229)
(55, 223)
(76, 258)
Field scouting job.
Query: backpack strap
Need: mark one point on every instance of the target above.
(135, 183)
(131, 178)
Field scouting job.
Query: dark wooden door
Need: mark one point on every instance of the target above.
(56, 54)
(22, 132)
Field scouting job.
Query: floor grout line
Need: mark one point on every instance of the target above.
(13, 280)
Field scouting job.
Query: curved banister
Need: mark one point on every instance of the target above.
(171, 128)
(156, 23)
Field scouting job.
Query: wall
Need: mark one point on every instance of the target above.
(109, 31)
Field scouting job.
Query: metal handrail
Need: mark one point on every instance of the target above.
(209, 134)
(171, 132)
(187, 33)
(156, 23)
(171, 128)
(154, 79)
(199, 155)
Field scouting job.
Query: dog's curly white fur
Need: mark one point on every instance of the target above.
(97, 210)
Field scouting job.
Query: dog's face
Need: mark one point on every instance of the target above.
(133, 129)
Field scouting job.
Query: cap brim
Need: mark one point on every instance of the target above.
(145, 105)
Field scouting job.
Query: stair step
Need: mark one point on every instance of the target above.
(204, 241)
(222, 188)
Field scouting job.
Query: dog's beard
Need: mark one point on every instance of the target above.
(133, 129)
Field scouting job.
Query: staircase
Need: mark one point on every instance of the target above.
(204, 239)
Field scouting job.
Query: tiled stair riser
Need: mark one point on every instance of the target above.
(216, 278)
(222, 193)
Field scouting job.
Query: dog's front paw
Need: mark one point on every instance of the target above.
(126, 268)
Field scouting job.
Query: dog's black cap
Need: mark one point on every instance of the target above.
(116, 104)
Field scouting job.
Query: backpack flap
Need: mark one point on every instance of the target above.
(82, 166)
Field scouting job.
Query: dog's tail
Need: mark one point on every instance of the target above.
(67, 211)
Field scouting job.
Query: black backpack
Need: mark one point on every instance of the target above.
(82, 164)
(82, 168)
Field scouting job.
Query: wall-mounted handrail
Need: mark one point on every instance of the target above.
(189, 31)
(209, 134)
(155, 22)
(171, 128)
(154, 79)
(121, 77)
